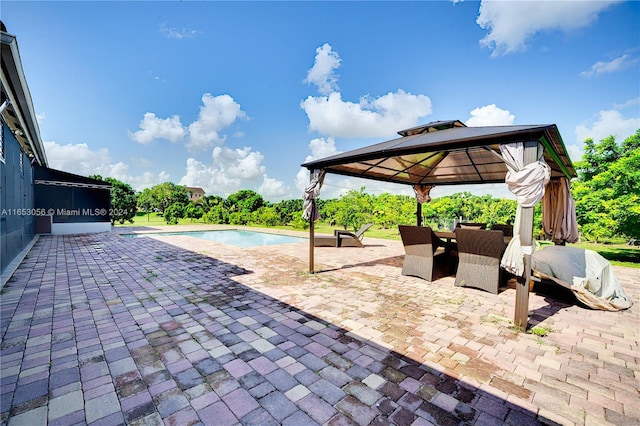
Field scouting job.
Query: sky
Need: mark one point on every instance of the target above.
(237, 95)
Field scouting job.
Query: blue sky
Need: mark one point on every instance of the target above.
(236, 95)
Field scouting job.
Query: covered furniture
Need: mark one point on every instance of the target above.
(479, 254)
(589, 275)
(342, 238)
(507, 230)
(423, 249)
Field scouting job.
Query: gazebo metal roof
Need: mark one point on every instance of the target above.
(446, 153)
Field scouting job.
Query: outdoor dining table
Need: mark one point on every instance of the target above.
(451, 236)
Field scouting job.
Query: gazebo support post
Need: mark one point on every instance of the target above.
(521, 314)
(312, 234)
(311, 252)
(419, 213)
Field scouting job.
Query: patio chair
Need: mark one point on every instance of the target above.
(507, 230)
(479, 254)
(423, 250)
(342, 238)
(471, 225)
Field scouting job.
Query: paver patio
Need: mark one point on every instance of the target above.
(99, 329)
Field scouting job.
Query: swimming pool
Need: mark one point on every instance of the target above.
(234, 237)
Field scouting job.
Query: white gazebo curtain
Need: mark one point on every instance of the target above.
(559, 212)
(311, 192)
(527, 183)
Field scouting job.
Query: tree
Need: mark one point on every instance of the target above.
(123, 200)
(245, 200)
(352, 210)
(287, 209)
(607, 192)
(194, 211)
(173, 212)
(168, 193)
(217, 214)
(145, 201)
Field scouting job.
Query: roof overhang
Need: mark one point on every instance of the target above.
(19, 115)
(52, 177)
(446, 153)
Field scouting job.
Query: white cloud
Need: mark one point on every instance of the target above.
(142, 162)
(77, 158)
(607, 123)
(272, 189)
(230, 171)
(633, 102)
(602, 125)
(320, 148)
(152, 127)
(217, 113)
(490, 115)
(379, 117)
(322, 73)
(614, 65)
(512, 23)
(81, 160)
(173, 32)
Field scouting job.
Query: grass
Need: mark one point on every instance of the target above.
(617, 254)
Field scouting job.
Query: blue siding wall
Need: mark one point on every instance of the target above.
(16, 197)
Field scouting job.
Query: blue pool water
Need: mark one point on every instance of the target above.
(234, 237)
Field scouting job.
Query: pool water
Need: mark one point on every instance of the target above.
(234, 237)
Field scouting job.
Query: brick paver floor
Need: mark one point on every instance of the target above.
(103, 330)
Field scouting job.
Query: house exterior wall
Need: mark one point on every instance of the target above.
(196, 193)
(17, 215)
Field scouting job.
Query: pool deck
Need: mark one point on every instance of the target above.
(104, 330)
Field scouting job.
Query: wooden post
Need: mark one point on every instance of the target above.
(311, 248)
(419, 213)
(312, 231)
(521, 314)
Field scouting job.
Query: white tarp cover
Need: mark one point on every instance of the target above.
(589, 275)
(527, 183)
(310, 193)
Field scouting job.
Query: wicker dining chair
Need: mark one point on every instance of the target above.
(506, 229)
(422, 250)
(479, 254)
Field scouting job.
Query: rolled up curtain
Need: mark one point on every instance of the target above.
(422, 192)
(527, 183)
(312, 191)
(559, 212)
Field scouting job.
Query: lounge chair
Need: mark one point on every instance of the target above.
(342, 238)
(423, 249)
(506, 229)
(479, 254)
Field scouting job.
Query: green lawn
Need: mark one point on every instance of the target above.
(617, 254)
(156, 219)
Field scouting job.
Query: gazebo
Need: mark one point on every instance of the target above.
(526, 157)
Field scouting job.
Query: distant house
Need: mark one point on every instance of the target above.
(197, 193)
(34, 198)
